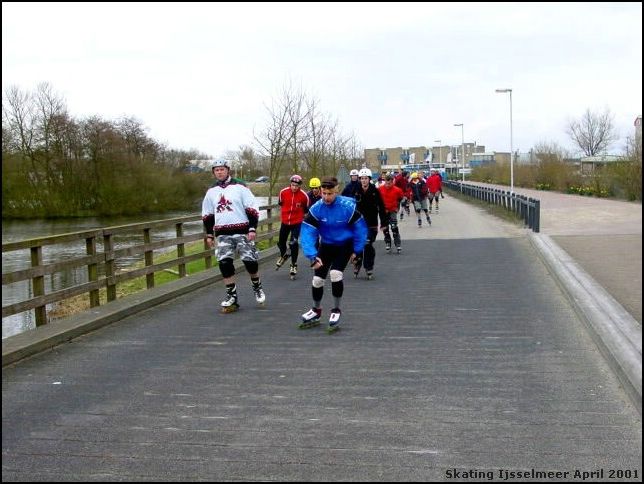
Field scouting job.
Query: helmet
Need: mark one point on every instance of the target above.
(414, 175)
(296, 179)
(365, 172)
(220, 162)
(353, 172)
(314, 183)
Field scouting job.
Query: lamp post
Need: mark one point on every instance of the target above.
(440, 149)
(511, 147)
(462, 152)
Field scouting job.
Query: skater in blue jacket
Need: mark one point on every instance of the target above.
(343, 233)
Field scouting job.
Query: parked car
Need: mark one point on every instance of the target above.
(261, 179)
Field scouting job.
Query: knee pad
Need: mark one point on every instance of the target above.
(251, 266)
(418, 210)
(292, 243)
(335, 276)
(317, 282)
(227, 267)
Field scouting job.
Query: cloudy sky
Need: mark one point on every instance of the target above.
(200, 75)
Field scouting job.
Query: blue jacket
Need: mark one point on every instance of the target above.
(335, 224)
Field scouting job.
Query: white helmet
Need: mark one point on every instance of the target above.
(353, 172)
(220, 162)
(364, 172)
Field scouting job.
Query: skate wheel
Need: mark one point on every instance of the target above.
(335, 329)
(229, 309)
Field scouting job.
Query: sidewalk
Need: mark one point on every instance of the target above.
(593, 247)
(603, 236)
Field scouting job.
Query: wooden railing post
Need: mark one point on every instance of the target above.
(38, 285)
(149, 259)
(181, 251)
(92, 271)
(208, 257)
(110, 266)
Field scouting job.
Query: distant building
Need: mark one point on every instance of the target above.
(419, 157)
(589, 164)
(482, 159)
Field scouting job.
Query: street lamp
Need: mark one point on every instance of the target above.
(462, 151)
(511, 147)
(440, 149)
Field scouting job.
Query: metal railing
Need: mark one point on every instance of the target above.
(100, 265)
(523, 207)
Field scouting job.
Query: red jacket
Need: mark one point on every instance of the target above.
(391, 197)
(401, 182)
(434, 183)
(294, 205)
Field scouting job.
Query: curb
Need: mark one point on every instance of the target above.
(42, 338)
(615, 332)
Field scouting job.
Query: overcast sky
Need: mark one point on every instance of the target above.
(200, 75)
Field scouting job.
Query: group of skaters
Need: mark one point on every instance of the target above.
(333, 230)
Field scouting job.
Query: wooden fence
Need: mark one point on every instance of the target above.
(101, 264)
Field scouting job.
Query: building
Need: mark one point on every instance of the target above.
(482, 159)
(419, 157)
(588, 164)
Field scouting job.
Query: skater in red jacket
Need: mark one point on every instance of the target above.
(294, 203)
(391, 197)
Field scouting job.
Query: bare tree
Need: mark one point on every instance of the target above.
(320, 131)
(50, 107)
(594, 133)
(139, 145)
(275, 141)
(19, 118)
(633, 148)
(297, 118)
(251, 161)
(545, 151)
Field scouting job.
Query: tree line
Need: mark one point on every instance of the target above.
(553, 169)
(57, 165)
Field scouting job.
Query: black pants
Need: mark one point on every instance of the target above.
(294, 231)
(393, 225)
(334, 257)
(369, 253)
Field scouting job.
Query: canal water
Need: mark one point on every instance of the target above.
(15, 230)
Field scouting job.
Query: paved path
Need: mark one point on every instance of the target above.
(603, 236)
(462, 355)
